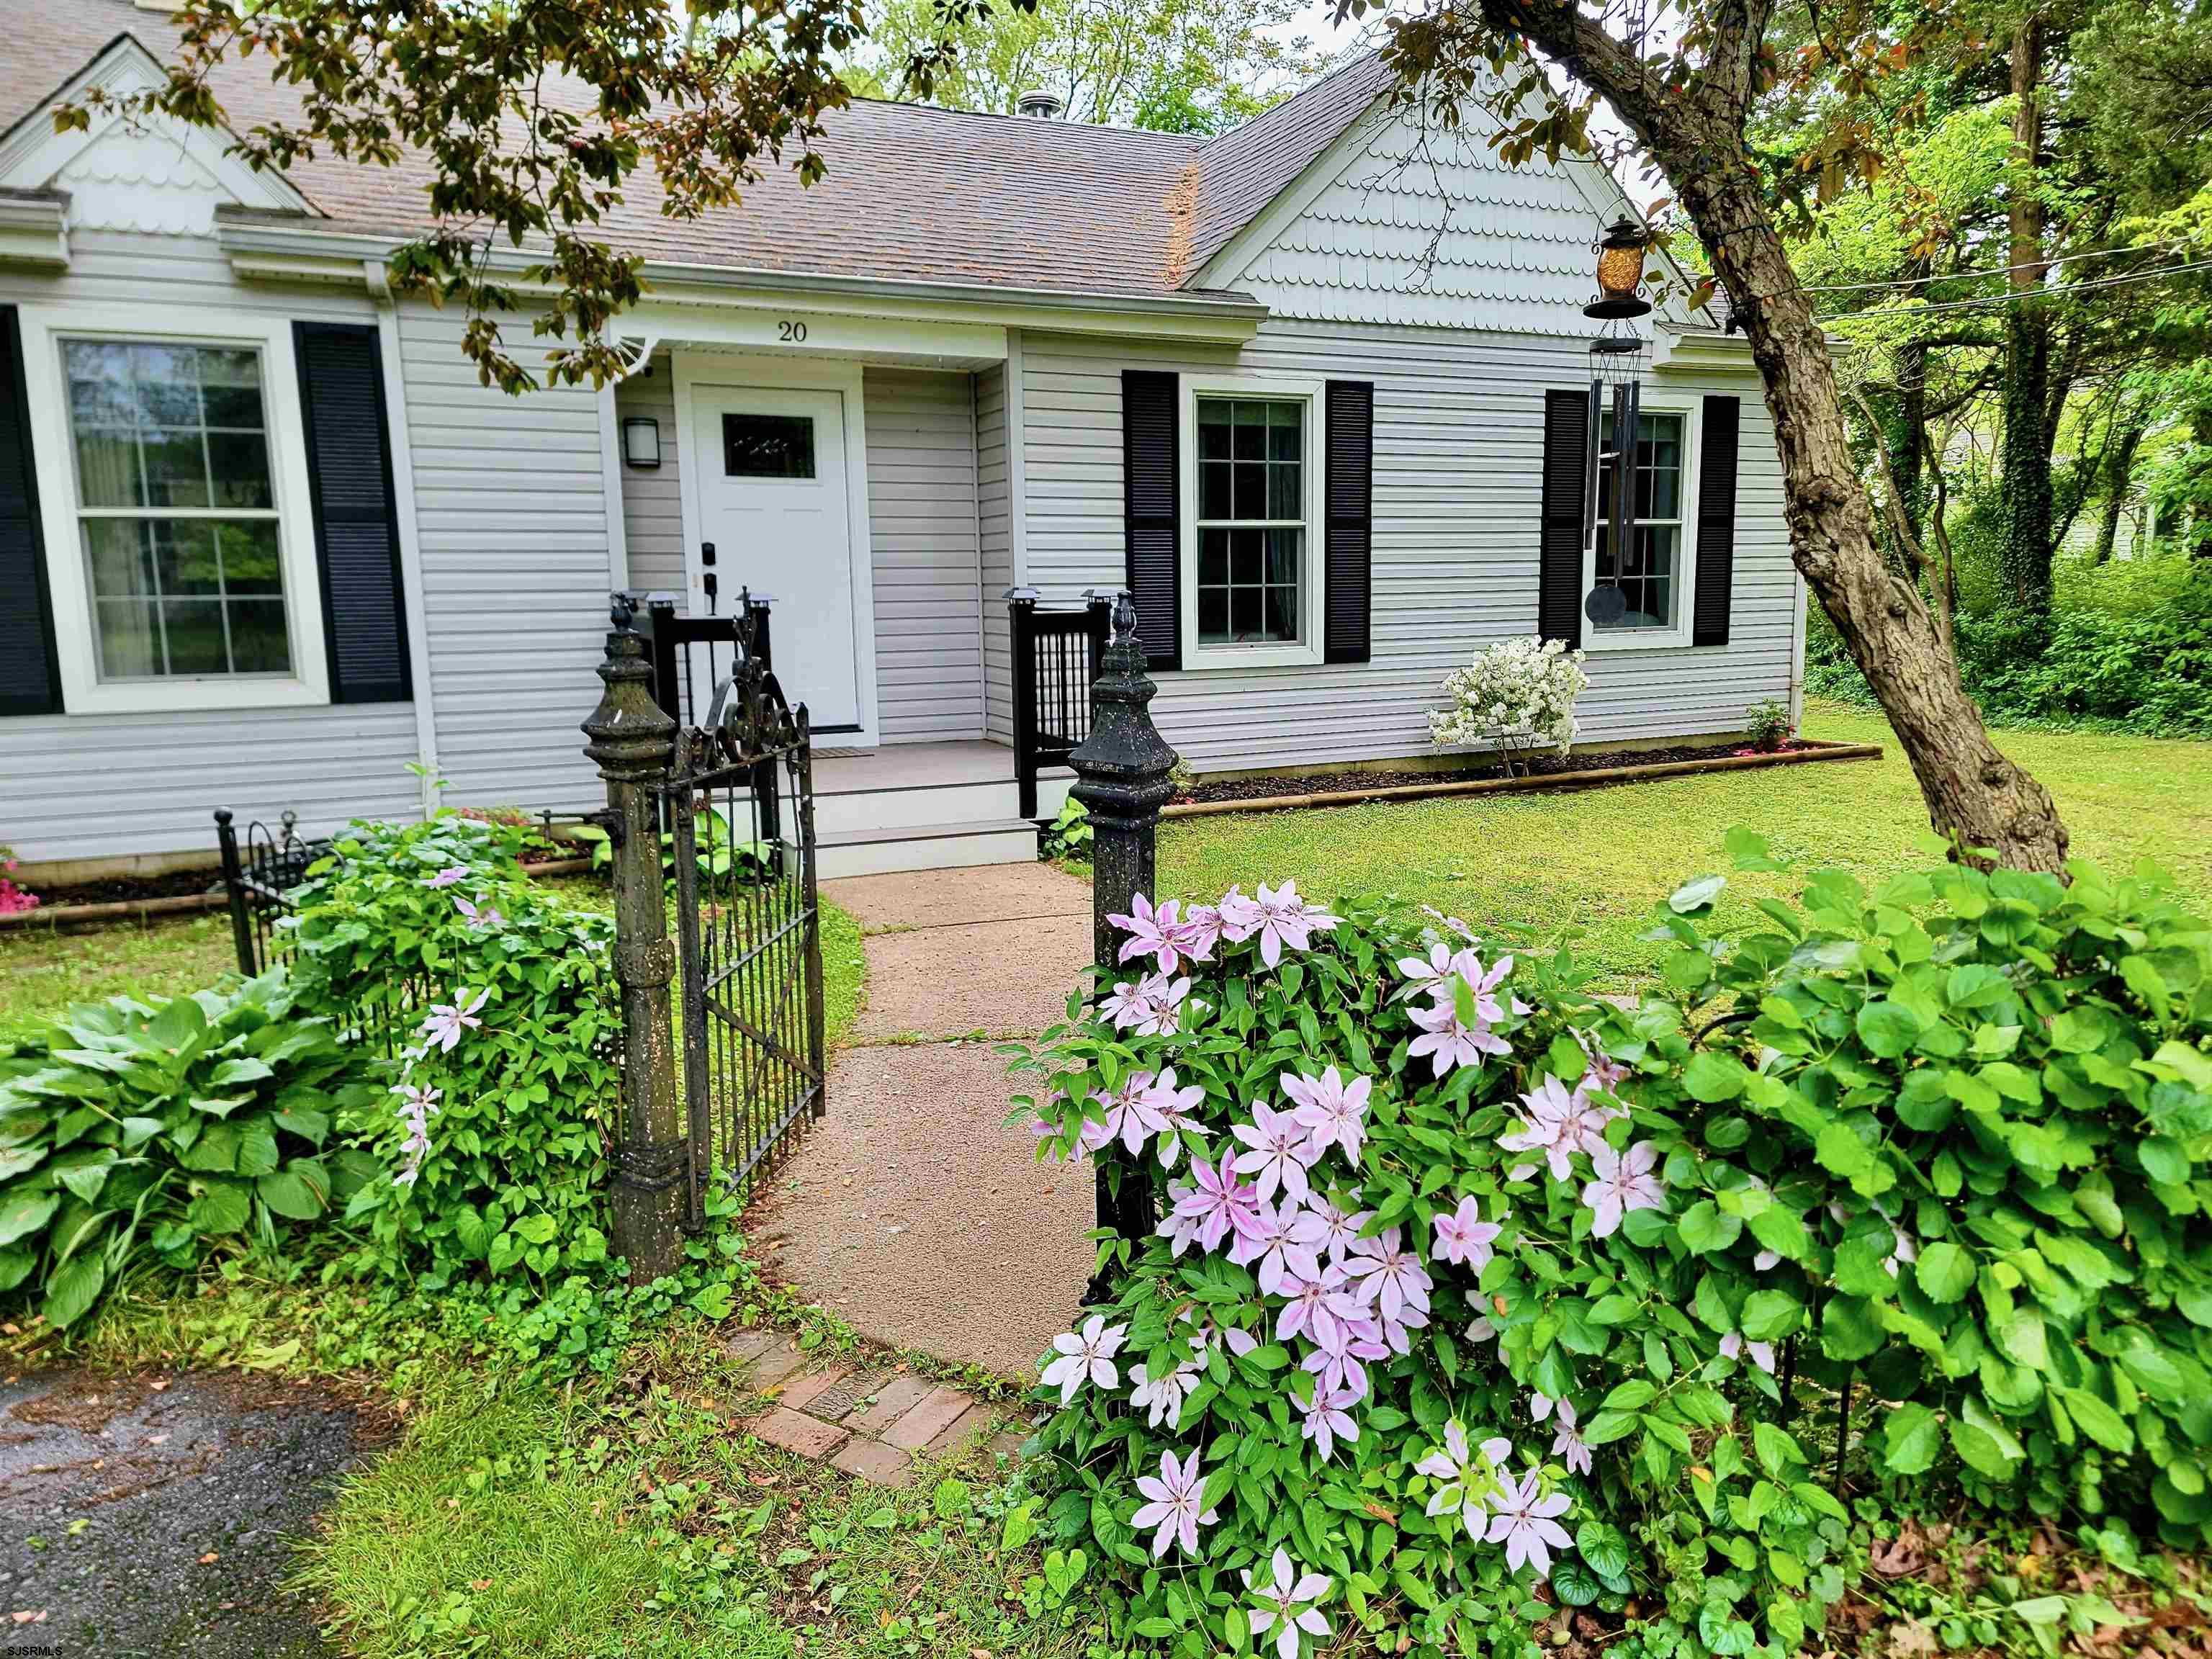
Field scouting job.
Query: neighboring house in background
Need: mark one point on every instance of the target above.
(1313, 389)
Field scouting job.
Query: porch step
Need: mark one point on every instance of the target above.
(892, 805)
(924, 846)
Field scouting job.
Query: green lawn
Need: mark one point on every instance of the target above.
(1587, 867)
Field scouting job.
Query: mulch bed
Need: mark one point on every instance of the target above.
(1354, 780)
(129, 889)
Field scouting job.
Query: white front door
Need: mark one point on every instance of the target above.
(772, 504)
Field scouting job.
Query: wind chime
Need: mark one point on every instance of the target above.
(1618, 358)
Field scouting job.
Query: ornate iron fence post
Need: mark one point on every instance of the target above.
(631, 743)
(233, 886)
(1121, 778)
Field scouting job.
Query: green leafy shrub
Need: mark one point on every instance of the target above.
(132, 1132)
(1069, 834)
(492, 1132)
(1942, 1137)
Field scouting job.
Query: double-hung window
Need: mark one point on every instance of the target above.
(172, 481)
(1253, 529)
(176, 512)
(1639, 589)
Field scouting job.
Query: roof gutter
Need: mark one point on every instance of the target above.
(263, 247)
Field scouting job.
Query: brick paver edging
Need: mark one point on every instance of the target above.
(865, 1416)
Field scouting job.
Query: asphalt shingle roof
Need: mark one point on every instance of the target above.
(912, 194)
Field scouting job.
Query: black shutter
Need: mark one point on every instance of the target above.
(1560, 556)
(357, 519)
(1348, 597)
(1153, 511)
(1716, 521)
(30, 671)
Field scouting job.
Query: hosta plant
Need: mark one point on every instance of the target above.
(135, 1132)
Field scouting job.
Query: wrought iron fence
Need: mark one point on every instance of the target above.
(738, 802)
(691, 656)
(259, 875)
(1056, 655)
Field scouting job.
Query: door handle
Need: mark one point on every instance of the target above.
(709, 581)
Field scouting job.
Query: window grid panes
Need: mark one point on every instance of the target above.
(1649, 577)
(1251, 518)
(176, 510)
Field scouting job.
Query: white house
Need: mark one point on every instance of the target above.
(1314, 390)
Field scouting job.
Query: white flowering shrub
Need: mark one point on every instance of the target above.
(1516, 690)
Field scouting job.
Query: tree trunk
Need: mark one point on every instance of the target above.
(2025, 555)
(1911, 440)
(1975, 796)
(2118, 467)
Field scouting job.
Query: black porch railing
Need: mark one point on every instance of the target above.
(1056, 655)
(692, 656)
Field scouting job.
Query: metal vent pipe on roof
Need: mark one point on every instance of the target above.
(1044, 106)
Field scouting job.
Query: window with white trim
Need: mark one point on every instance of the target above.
(1640, 592)
(1251, 519)
(176, 509)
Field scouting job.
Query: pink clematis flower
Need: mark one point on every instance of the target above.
(1178, 1505)
(417, 1106)
(1198, 932)
(1278, 1151)
(1432, 974)
(1169, 1108)
(1086, 1356)
(1151, 1007)
(1522, 1519)
(1179, 1227)
(1328, 1419)
(1333, 1112)
(447, 877)
(1465, 1485)
(1217, 1201)
(1449, 1043)
(1559, 1123)
(1335, 1361)
(1341, 1227)
(1236, 1340)
(1162, 1402)
(1451, 922)
(446, 1021)
(1568, 1444)
(1390, 1276)
(1464, 1238)
(1605, 1071)
(1287, 1606)
(1284, 1242)
(1130, 1118)
(480, 920)
(1313, 1303)
(1278, 916)
(1626, 1181)
(1154, 933)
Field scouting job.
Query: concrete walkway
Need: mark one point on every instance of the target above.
(911, 1209)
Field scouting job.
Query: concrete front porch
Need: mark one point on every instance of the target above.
(924, 806)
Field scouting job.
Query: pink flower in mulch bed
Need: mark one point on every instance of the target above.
(442, 1029)
(1278, 1151)
(1521, 1519)
(1333, 1112)
(1217, 1202)
(1464, 1238)
(1278, 916)
(1447, 1042)
(1178, 1505)
(1086, 1356)
(1624, 1181)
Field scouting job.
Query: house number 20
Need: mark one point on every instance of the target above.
(795, 333)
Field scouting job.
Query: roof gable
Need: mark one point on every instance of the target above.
(154, 176)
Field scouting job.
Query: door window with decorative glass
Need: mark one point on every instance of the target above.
(1647, 573)
(1251, 518)
(176, 508)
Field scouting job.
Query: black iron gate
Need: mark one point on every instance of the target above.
(739, 809)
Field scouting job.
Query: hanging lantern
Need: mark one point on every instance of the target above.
(1620, 271)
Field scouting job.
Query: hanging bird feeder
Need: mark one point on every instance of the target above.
(1621, 253)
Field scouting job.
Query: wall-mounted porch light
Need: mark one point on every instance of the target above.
(641, 441)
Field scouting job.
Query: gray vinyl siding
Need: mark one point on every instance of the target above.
(1458, 455)
(929, 581)
(511, 512)
(100, 785)
(995, 528)
(652, 498)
